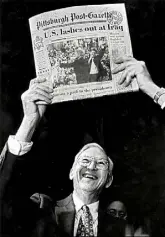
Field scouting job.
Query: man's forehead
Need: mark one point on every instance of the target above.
(117, 205)
(95, 152)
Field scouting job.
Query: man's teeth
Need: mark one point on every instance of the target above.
(90, 176)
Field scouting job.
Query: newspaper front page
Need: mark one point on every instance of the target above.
(75, 47)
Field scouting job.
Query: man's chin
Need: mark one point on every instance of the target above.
(88, 187)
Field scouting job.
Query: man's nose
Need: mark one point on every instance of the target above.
(92, 165)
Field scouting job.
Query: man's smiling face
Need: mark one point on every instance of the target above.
(90, 170)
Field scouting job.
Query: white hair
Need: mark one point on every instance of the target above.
(91, 145)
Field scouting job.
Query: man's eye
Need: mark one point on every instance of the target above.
(101, 163)
(113, 213)
(85, 161)
(121, 214)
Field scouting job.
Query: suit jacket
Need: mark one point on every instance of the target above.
(97, 61)
(65, 215)
(43, 217)
(80, 66)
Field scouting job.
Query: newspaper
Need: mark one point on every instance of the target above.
(75, 47)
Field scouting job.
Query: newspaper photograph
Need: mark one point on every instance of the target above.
(75, 49)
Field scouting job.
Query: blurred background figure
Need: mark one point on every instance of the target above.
(117, 209)
(138, 228)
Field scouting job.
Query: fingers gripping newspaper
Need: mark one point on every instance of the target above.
(75, 49)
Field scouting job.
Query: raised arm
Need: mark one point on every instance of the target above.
(102, 50)
(133, 68)
(34, 102)
(20, 144)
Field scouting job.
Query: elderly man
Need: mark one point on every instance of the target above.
(91, 172)
(80, 214)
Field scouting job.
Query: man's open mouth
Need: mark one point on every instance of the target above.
(90, 176)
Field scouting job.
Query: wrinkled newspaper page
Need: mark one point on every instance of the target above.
(75, 48)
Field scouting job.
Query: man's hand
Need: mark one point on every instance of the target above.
(36, 98)
(133, 68)
(34, 102)
(103, 45)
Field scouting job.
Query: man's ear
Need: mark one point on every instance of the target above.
(109, 181)
(71, 174)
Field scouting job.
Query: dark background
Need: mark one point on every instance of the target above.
(129, 126)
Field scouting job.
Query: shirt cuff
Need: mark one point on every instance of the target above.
(161, 101)
(18, 148)
(163, 105)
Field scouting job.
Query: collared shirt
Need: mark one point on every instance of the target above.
(93, 210)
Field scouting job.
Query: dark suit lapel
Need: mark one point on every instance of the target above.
(66, 215)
